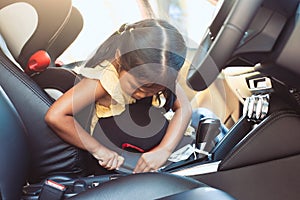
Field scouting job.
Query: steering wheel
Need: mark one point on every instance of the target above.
(216, 49)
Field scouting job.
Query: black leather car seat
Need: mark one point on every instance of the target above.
(43, 23)
(154, 186)
(49, 154)
(14, 152)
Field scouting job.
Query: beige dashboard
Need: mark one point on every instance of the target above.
(236, 80)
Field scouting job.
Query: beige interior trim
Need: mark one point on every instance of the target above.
(18, 22)
(236, 80)
(218, 98)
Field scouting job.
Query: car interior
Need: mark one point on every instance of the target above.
(254, 44)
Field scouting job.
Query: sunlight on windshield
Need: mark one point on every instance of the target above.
(103, 17)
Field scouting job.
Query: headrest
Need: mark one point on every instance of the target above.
(28, 26)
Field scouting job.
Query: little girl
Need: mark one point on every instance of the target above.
(136, 66)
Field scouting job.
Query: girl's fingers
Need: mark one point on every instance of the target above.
(120, 161)
(112, 163)
(146, 169)
(140, 166)
(101, 162)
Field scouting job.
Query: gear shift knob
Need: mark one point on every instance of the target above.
(208, 129)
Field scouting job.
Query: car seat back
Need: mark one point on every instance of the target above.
(14, 154)
(49, 154)
(28, 26)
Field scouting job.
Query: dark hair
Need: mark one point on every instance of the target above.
(152, 43)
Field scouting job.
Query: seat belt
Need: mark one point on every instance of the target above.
(52, 190)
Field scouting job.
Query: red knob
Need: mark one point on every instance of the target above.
(39, 61)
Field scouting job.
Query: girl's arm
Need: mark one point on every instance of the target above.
(60, 117)
(155, 158)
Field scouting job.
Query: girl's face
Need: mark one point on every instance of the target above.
(137, 88)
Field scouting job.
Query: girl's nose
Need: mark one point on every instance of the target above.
(140, 95)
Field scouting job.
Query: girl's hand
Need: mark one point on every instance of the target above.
(108, 159)
(151, 161)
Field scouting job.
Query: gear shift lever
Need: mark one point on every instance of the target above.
(208, 129)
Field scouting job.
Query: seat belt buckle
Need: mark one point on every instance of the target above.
(52, 190)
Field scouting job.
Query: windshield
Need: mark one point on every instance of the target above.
(103, 17)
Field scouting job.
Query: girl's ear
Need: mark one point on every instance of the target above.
(117, 61)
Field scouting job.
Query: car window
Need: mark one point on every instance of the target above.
(102, 17)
